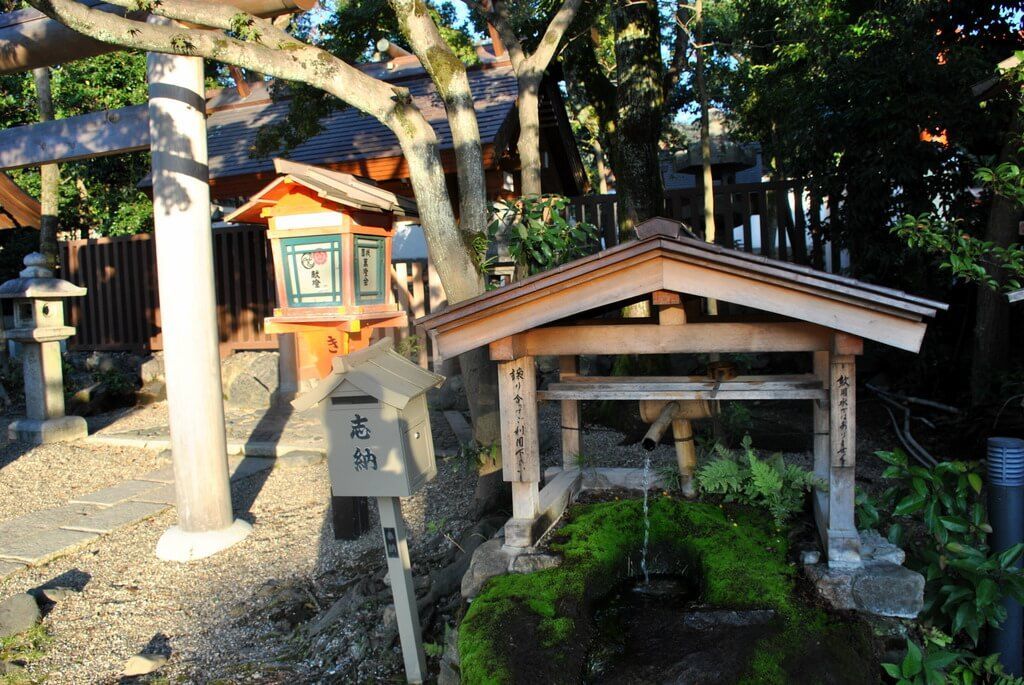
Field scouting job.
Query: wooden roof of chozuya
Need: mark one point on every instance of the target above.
(667, 260)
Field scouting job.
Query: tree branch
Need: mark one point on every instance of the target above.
(494, 12)
(292, 60)
(554, 33)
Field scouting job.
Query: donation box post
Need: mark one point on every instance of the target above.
(374, 408)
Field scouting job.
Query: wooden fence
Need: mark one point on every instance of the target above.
(780, 219)
(121, 311)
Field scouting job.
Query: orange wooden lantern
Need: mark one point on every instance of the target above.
(330, 234)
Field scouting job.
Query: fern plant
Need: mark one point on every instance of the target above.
(769, 484)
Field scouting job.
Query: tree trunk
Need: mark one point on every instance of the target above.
(992, 315)
(707, 180)
(639, 100)
(49, 192)
(529, 133)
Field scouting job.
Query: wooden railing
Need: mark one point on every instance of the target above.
(781, 219)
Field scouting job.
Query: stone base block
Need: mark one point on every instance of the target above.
(181, 545)
(882, 589)
(42, 432)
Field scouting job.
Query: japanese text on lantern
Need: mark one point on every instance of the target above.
(363, 459)
(843, 384)
(517, 376)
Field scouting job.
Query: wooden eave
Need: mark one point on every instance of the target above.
(18, 209)
(690, 266)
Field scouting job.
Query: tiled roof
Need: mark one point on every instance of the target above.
(347, 133)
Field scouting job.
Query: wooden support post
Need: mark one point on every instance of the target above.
(517, 390)
(568, 367)
(188, 308)
(843, 540)
(822, 445)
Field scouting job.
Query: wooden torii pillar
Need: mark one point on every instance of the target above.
(184, 242)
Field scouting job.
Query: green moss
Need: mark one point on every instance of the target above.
(741, 560)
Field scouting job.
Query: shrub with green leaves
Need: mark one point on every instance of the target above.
(965, 580)
(938, 662)
(770, 484)
(539, 235)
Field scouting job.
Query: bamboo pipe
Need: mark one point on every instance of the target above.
(679, 414)
(29, 39)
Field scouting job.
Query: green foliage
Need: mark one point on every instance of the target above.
(965, 580)
(539, 236)
(938, 662)
(23, 648)
(409, 347)
(772, 484)
(97, 194)
(742, 563)
(800, 89)
(472, 456)
(966, 256)
(433, 650)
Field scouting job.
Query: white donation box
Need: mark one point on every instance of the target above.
(374, 408)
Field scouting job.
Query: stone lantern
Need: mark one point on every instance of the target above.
(39, 327)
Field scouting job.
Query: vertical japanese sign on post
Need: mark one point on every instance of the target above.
(373, 406)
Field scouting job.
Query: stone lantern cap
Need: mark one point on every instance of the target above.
(36, 280)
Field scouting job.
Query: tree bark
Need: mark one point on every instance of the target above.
(991, 349)
(529, 133)
(49, 190)
(707, 180)
(639, 100)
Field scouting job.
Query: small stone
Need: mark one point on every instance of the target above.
(300, 459)
(889, 590)
(152, 369)
(875, 549)
(489, 560)
(165, 457)
(809, 557)
(389, 619)
(57, 594)
(151, 393)
(18, 613)
(7, 668)
(143, 664)
(528, 563)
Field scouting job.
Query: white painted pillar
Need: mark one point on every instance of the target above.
(184, 253)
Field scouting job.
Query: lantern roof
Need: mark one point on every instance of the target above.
(378, 371)
(333, 186)
(37, 280)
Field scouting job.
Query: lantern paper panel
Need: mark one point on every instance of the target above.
(312, 267)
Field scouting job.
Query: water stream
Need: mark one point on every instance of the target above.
(647, 520)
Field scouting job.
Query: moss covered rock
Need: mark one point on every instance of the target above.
(537, 627)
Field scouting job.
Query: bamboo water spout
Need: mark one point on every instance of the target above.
(679, 414)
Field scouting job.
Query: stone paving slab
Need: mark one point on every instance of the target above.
(112, 518)
(116, 493)
(162, 495)
(248, 466)
(161, 475)
(9, 567)
(41, 521)
(45, 545)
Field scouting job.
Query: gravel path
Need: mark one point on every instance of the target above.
(212, 614)
(35, 478)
